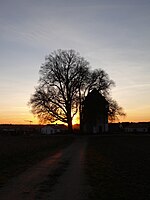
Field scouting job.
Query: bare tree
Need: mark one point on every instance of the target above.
(65, 80)
(57, 96)
(115, 111)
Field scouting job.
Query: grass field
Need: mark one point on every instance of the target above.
(17, 153)
(118, 167)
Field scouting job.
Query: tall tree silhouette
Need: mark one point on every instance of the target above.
(65, 80)
(57, 96)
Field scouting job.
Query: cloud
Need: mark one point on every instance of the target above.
(145, 86)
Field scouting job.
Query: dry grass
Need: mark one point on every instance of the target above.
(17, 153)
(117, 167)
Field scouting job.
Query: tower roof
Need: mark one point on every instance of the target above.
(95, 97)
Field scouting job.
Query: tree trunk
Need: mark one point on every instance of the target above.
(80, 111)
(69, 119)
(70, 125)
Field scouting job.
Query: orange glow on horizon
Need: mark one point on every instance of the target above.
(28, 118)
(18, 119)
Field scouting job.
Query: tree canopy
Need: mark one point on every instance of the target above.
(65, 79)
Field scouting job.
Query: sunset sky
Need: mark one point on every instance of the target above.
(111, 34)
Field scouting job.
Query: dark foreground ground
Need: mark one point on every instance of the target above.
(118, 167)
(75, 167)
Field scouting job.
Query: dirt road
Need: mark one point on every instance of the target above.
(59, 177)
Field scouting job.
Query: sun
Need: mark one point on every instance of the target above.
(75, 119)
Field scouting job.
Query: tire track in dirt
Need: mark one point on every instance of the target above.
(60, 176)
(72, 185)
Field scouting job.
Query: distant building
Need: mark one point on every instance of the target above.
(51, 129)
(115, 128)
(94, 117)
(20, 129)
(137, 127)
